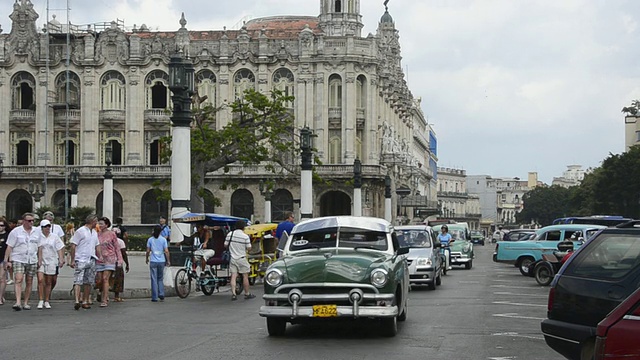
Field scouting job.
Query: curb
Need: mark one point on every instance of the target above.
(68, 294)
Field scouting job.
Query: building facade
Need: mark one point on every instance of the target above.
(69, 93)
(631, 131)
(454, 201)
(571, 177)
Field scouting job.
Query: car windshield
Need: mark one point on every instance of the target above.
(413, 238)
(609, 256)
(339, 237)
(457, 234)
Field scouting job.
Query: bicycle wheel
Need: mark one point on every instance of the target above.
(207, 284)
(182, 283)
(239, 287)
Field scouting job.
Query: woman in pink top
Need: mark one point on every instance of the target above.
(110, 256)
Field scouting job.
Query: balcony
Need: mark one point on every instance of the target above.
(418, 202)
(22, 118)
(453, 194)
(335, 113)
(88, 172)
(112, 118)
(157, 117)
(361, 114)
(60, 117)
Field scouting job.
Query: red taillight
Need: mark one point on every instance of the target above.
(552, 293)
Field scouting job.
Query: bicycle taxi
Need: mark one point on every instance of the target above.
(216, 273)
(263, 249)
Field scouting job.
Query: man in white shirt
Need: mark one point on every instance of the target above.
(239, 243)
(55, 228)
(22, 249)
(84, 252)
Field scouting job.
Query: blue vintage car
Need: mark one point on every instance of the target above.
(524, 253)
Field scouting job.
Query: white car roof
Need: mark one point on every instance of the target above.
(356, 222)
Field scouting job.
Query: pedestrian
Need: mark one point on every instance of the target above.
(110, 255)
(206, 250)
(285, 226)
(55, 228)
(123, 241)
(445, 240)
(50, 259)
(166, 231)
(157, 257)
(22, 249)
(238, 244)
(85, 250)
(4, 234)
(69, 231)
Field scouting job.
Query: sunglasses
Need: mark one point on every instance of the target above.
(46, 226)
(3, 225)
(29, 220)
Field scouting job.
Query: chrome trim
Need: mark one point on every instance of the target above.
(631, 317)
(329, 297)
(563, 339)
(287, 287)
(343, 311)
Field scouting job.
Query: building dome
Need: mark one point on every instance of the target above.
(386, 18)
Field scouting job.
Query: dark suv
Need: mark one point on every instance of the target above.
(598, 277)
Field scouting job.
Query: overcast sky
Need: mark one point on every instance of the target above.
(509, 86)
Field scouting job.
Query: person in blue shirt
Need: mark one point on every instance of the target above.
(166, 230)
(287, 225)
(157, 257)
(445, 239)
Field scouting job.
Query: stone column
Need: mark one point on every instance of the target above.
(107, 194)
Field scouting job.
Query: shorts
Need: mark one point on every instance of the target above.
(48, 269)
(204, 253)
(27, 269)
(239, 266)
(105, 267)
(84, 273)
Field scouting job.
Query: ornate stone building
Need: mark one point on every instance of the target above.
(67, 93)
(454, 201)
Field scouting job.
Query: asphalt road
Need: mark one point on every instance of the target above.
(488, 312)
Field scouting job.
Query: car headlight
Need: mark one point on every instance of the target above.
(423, 262)
(466, 248)
(274, 277)
(379, 277)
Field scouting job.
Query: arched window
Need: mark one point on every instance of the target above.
(338, 7)
(206, 84)
(335, 150)
(24, 152)
(19, 201)
(242, 203)
(23, 95)
(117, 204)
(112, 91)
(243, 80)
(151, 208)
(281, 202)
(68, 89)
(116, 152)
(59, 204)
(61, 151)
(335, 91)
(158, 96)
(283, 80)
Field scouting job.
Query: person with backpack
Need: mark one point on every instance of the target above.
(238, 244)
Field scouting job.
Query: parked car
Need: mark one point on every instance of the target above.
(617, 335)
(524, 253)
(462, 247)
(596, 279)
(424, 261)
(477, 237)
(338, 266)
(519, 235)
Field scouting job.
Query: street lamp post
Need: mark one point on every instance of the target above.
(75, 180)
(1, 166)
(107, 189)
(387, 198)
(37, 193)
(357, 187)
(266, 192)
(306, 180)
(181, 82)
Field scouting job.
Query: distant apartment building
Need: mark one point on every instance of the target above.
(571, 177)
(454, 202)
(631, 131)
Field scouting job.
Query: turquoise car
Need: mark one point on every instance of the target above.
(524, 253)
(461, 247)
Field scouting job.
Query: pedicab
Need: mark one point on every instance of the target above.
(263, 249)
(216, 273)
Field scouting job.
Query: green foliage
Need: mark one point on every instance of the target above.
(137, 242)
(78, 215)
(544, 204)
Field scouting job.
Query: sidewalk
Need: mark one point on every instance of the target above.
(137, 283)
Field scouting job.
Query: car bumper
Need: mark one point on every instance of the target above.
(458, 258)
(343, 311)
(566, 338)
(422, 276)
(495, 259)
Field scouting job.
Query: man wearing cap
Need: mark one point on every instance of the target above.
(22, 249)
(55, 228)
(50, 257)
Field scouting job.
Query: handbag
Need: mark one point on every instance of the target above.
(226, 256)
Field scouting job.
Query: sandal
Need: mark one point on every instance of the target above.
(77, 306)
(104, 304)
(86, 306)
(118, 299)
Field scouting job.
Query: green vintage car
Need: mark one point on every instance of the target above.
(338, 267)
(462, 247)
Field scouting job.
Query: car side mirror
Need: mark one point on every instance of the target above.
(402, 251)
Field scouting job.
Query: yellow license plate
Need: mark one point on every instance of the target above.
(325, 310)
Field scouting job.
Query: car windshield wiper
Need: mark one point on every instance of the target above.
(370, 247)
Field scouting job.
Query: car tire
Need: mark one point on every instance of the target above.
(543, 274)
(403, 316)
(439, 279)
(432, 285)
(389, 326)
(468, 265)
(276, 326)
(523, 265)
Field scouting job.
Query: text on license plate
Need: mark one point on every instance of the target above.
(325, 310)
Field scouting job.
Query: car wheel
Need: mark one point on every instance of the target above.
(276, 326)
(389, 326)
(403, 316)
(432, 285)
(524, 264)
(468, 265)
(439, 279)
(543, 274)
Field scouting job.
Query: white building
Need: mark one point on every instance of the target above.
(454, 201)
(571, 177)
(349, 88)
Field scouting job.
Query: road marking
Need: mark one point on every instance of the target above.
(503, 358)
(517, 304)
(516, 316)
(515, 294)
(500, 280)
(469, 282)
(515, 334)
(516, 287)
